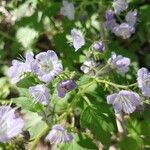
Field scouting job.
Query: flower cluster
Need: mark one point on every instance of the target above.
(46, 66)
(127, 101)
(124, 29)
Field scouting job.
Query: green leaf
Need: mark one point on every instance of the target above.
(128, 143)
(28, 104)
(53, 9)
(4, 87)
(98, 123)
(27, 81)
(84, 80)
(33, 123)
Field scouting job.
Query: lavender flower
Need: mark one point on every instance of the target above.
(88, 67)
(119, 6)
(120, 63)
(10, 124)
(123, 30)
(77, 39)
(109, 15)
(125, 101)
(58, 135)
(18, 68)
(99, 46)
(46, 66)
(68, 10)
(110, 24)
(144, 81)
(64, 87)
(40, 93)
(131, 17)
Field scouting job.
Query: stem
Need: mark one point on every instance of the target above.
(115, 85)
(120, 124)
(35, 142)
(87, 100)
(4, 34)
(54, 25)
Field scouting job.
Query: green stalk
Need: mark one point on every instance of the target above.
(37, 139)
(116, 85)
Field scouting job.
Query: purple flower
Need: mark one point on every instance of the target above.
(68, 10)
(99, 46)
(123, 30)
(119, 6)
(46, 66)
(109, 15)
(10, 123)
(125, 101)
(58, 135)
(110, 24)
(18, 68)
(131, 17)
(77, 39)
(88, 67)
(120, 63)
(64, 87)
(40, 93)
(144, 81)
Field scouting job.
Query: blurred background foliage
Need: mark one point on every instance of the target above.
(36, 25)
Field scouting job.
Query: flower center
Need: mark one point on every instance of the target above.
(46, 66)
(124, 32)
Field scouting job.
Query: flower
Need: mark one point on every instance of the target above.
(10, 123)
(110, 24)
(131, 17)
(123, 30)
(18, 68)
(68, 10)
(120, 63)
(99, 46)
(88, 67)
(109, 15)
(58, 135)
(144, 81)
(64, 87)
(40, 93)
(119, 6)
(125, 101)
(77, 39)
(46, 66)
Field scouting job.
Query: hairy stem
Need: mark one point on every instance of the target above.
(116, 85)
